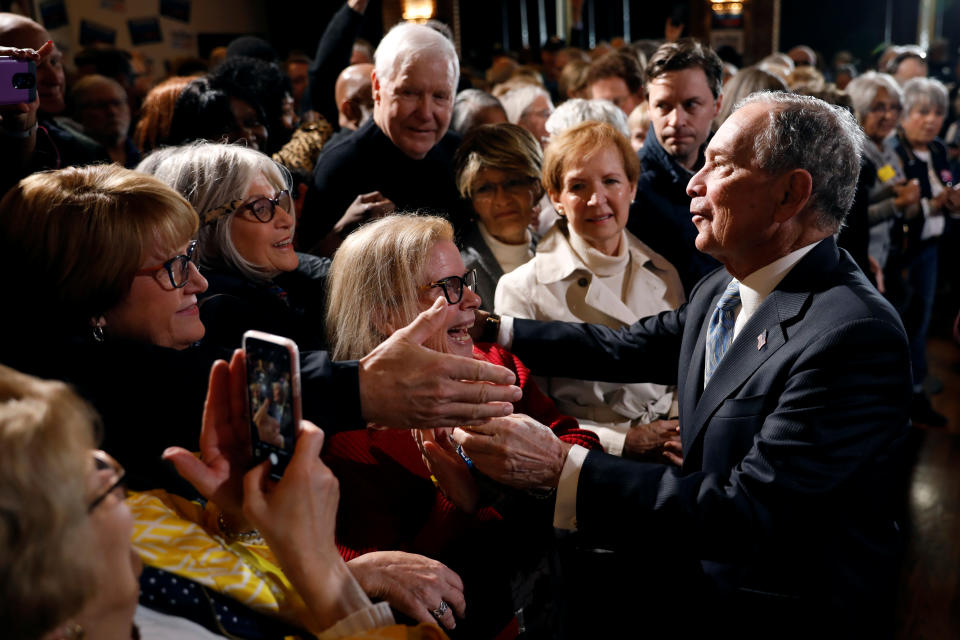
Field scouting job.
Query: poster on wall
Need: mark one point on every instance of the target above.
(176, 9)
(182, 40)
(93, 33)
(54, 14)
(144, 31)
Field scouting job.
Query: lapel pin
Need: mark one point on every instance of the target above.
(762, 340)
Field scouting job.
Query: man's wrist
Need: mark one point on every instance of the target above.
(491, 328)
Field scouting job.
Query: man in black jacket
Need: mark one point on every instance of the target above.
(405, 153)
(683, 93)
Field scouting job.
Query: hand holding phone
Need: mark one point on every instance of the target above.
(18, 81)
(273, 392)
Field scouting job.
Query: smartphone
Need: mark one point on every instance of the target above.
(18, 81)
(273, 396)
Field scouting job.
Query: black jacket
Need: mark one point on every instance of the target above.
(366, 161)
(660, 215)
(291, 305)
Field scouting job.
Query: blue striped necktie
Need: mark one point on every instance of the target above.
(720, 329)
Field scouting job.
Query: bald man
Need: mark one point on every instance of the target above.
(354, 95)
(30, 140)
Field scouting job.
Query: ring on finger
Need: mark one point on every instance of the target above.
(441, 610)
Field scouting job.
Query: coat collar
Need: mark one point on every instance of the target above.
(782, 308)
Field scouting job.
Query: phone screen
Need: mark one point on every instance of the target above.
(18, 81)
(273, 392)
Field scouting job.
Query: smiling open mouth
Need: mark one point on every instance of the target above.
(283, 244)
(459, 333)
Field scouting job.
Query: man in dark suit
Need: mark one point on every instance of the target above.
(794, 387)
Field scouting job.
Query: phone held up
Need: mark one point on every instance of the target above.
(18, 81)
(273, 394)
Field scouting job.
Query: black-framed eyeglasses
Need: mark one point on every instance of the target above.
(103, 461)
(263, 208)
(453, 286)
(178, 267)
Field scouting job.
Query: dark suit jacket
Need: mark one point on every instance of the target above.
(790, 453)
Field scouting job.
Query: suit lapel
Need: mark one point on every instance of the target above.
(748, 352)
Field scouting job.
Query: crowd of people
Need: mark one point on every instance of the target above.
(628, 340)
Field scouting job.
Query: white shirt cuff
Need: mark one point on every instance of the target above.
(565, 511)
(505, 337)
(366, 619)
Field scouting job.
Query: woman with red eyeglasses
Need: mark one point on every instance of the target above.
(245, 244)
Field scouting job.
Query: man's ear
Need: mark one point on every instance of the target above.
(350, 111)
(795, 188)
(375, 86)
(717, 104)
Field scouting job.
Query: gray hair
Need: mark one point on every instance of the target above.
(924, 92)
(516, 101)
(577, 110)
(211, 175)
(468, 105)
(824, 140)
(863, 91)
(407, 43)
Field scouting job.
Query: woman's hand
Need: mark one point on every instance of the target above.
(299, 512)
(658, 441)
(297, 517)
(908, 194)
(412, 584)
(448, 468)
(225, 452)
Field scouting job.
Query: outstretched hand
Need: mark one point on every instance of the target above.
(224, 440)
(405, 385)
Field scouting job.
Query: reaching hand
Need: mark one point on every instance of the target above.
(364, 208)
(448, 468)
(404, 385)
(23, 115)
(224, 440)
(412, 584)
(516, 451)
(657, 441)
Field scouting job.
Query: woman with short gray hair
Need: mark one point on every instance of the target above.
(877, 102)
(924, 158)
(245, 243)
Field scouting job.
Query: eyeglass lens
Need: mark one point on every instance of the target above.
(453, 286)
(179, 267)
(264, 209)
